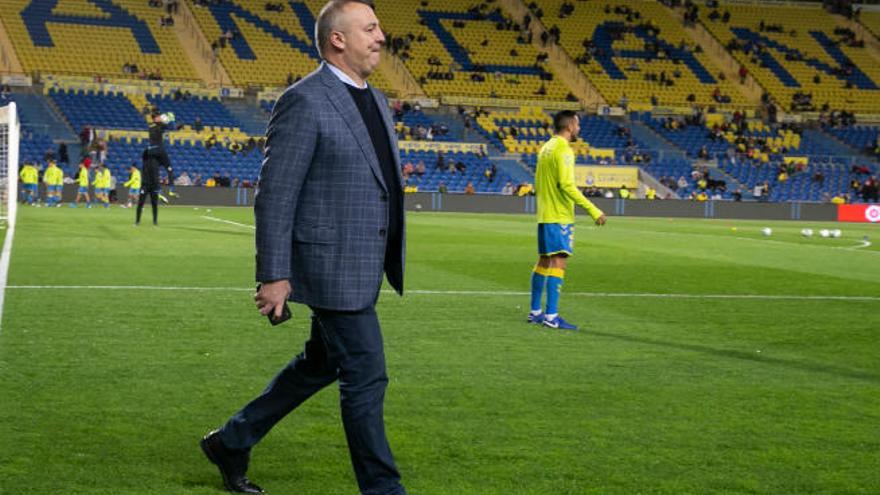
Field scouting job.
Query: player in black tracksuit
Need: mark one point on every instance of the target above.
(154, 157)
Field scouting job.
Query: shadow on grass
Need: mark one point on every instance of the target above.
(747, 356)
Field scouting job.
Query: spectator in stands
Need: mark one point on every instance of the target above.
(461, 167)
(62, 154)
(490, 173)
(782, 177)
(469, 189)
(274, 6)
(441, 161)
(441, 188)
(5, 92)
(682, 182)
(420, 169)
(407, 170)
(197, 180)
(507, 190)
(743, 72)
(703, 154)
(183, 180)
(623, 192)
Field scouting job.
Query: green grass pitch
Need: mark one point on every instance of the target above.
(106, 387)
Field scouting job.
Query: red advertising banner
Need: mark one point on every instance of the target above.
(858, 213)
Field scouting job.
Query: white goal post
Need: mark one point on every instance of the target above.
(9, 136)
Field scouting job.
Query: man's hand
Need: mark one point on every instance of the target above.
(272, 296)
(601, 220)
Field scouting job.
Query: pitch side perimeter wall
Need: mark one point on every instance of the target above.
(206, 196)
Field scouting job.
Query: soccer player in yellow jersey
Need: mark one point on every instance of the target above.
(30, 180)
(53, 177)
(133, 184)
(82, 191)
(556, 197)
(102, 185)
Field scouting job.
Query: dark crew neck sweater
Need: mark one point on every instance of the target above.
(369, 110)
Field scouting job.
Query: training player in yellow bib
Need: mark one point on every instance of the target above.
(30, 180)
(133, 184)
(53, 177)
(556, 197)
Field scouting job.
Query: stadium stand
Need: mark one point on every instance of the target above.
(210, 111)
(717, 136)
(871, 20)
(459, 48)
(88, 108)
(800, 185)
(415, 124)
(33, 147)
(98, 37)
(862, 138)
(527, 129)
(455, 172)
(265, 47)
(804, 57)
(638, 51)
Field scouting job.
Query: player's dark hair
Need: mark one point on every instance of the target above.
(562, 119)
(328, 21)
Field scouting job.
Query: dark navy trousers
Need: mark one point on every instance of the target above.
(344, 346)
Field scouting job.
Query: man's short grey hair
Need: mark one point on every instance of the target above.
(328, 21)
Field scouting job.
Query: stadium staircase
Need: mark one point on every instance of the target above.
(510, 163)
(717, 173)
(831, 145)
(723, 59)
(561, 62)
(9, 62)
(39, 113)
(872, 45)
(853, 149)
(198, 48)
(652, 140)
(252, 118)
(400, 81)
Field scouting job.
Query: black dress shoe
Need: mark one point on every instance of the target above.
(233, 464)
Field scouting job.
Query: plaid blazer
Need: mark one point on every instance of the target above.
(322, 206)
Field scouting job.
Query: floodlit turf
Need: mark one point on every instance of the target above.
(108, 390)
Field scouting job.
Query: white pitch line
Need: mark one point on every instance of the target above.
(861, 245)
(230, 222)
(4, 266)
(125, 287)
(769, 297)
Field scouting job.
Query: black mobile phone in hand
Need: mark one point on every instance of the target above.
(285, 313)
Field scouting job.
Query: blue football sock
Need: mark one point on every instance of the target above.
(539, 277)
(555, 278)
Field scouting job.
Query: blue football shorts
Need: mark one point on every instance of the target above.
(555, 238)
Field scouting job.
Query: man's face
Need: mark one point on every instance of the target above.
(575, 127)
(362, 38)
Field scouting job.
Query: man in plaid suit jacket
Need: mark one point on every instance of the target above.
(329, 223)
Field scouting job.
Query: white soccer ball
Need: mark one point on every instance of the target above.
(825, 233)
(767, 231)
(836, 233)
(807, 232)
(167, 118)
